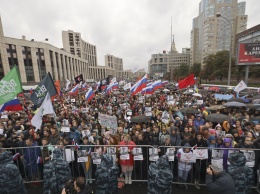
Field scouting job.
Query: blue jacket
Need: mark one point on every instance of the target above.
(31, 155)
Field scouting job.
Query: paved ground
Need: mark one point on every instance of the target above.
(137, 188)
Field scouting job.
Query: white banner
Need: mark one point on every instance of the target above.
(188, 157)
(107, 121)
(127, 86)
(201, 153)
(135, 69)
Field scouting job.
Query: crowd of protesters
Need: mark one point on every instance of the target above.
(164, 128)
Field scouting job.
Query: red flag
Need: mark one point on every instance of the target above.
(187, 81)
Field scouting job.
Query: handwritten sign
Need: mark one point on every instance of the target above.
(107, 121)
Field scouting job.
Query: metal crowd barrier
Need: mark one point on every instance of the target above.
(30, 161)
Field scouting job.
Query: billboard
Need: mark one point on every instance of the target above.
(248, 54)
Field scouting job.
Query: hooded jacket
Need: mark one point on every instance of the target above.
(160, 177)
(56, 173)
(106, 176)
(225, 152)
(10, 179)
(241, 174)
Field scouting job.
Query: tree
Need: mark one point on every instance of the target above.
(195, 69)
(184, 70)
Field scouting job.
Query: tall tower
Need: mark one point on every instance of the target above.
(1, 28)
(211, 34)
(173, 48)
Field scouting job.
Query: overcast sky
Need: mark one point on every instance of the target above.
(130, 29)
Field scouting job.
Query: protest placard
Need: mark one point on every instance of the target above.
(201, 153)
(107, 121)
(188, 157)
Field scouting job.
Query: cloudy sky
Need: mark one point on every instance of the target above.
(130, 29)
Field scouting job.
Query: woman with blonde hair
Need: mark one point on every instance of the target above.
(127, 165)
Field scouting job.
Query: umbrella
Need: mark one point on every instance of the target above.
(253, 106)
(256, 101)
(216, 107)
(217, 118)
(214, 88)
(140, 119)
(237, 100)
(197, 95)
(189, 110)
(235, 104)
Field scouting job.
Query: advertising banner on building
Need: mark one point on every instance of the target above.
(248, 54)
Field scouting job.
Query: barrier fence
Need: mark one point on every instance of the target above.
(31, 160)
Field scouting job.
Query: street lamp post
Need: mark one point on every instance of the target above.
(39, 57)
(230, 50)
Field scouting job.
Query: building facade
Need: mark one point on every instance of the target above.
(161, 63)
(34, 59)
(116, 64)
(210, 33)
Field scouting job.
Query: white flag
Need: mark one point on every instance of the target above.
(67, 85)
(240, 87)
(127, 86)
(135, 69)
(45, 108)
(113, 80)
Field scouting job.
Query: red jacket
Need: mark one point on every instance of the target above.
(131, 161)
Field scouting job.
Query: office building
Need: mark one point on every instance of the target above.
(161, 63)
(35, 58)
(210, 33)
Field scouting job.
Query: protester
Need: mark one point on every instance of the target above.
(127, 165)
(184, 167)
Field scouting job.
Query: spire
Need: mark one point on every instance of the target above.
(1, 28)
(173, 48)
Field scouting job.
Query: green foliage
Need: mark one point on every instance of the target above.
(195, 69)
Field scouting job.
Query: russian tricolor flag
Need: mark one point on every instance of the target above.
(115, 86)
(134, 86)
(148, 90)
(84, 86)
(98, 85)
(16, 156)
(164, 83)
(141, 85)
(90, 94)
(74, 90)
(109, 89)
(39, 160)
(12, 105)
(157, 85)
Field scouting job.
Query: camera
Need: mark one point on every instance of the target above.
(69, 187)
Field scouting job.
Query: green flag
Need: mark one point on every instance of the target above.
(10, 86)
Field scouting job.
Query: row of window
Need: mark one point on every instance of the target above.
(29, 68)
